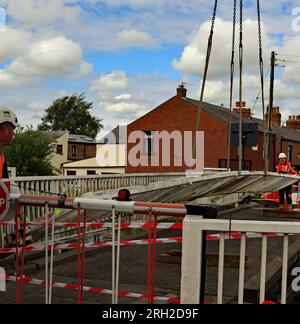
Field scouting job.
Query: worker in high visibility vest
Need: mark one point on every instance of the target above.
(285, 167)
(8, 124)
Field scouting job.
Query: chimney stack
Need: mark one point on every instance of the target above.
(293, 122)
(276, 116)
(246, 112)
(181, 91)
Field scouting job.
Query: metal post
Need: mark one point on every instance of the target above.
(52, 258)
(242, 269)
(113, 256)
(118, 259)
(79, 274)
(263, 269)
(285, 260)
(17, 252)
(83, 253)
(46, 255)
(203, 268)
(270, 110)
(221, 269)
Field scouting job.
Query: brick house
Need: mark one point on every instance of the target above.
(69, 147)
(179, 113)
(81, 147)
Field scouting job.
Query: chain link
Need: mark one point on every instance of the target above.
(261, 60)
(213, 21)
(241, 15)
(259, 25)
(234, 23)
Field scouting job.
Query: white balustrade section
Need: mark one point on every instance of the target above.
(193, 228)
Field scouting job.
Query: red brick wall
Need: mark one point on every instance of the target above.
(83, 151)
(177, 114)
(295, 151)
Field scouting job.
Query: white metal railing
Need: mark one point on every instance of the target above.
(193, 229)
(74, 186)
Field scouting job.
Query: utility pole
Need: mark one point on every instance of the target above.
(270, 111)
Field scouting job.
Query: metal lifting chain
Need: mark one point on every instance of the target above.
(232, 69)
(261, 60)
(209, 48)
(241, 56)
(208, 54)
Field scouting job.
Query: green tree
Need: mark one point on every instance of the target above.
(71, 113)
(30, 152)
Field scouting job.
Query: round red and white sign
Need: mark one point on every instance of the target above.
(4, 199)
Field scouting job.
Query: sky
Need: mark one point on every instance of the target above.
(129, 56)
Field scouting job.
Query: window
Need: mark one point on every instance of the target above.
(74, 150)
(91, 172)
(148, 144)
(234, 164)
(71, 173)
(290, 153)
(59, 149)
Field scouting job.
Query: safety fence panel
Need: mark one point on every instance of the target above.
(194, 252)
(50, 243)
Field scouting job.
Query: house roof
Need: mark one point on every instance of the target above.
(223, 113)
(81, 139)
(54, 135)
(116, 136)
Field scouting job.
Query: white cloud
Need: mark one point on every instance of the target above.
(116, 80)
(143, 93)
(13, 42)
(125, 96)
(42, 12)
(51, 57)
(56, 56)
(193, 57)
(135, 38)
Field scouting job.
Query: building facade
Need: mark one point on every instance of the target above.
(110, 157)
(180, 114)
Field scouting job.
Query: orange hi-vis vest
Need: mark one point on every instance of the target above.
(286, 168)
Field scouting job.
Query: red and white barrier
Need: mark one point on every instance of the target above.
(91, 245)
(172, 240)
(98, 225)
(38, 282)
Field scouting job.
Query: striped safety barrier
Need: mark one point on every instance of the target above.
(91, 245)
(171, 240)
(38, 282)
(96, 225)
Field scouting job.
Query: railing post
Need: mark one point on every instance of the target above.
(193, 276)
(191, 260)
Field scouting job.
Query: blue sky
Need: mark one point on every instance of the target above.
(128, 56)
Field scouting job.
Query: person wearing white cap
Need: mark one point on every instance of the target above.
(285, 167)
(8, 124)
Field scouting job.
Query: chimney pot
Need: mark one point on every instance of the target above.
(181, 91)
(293, 122)
(276, 116)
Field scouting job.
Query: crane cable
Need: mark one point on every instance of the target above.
(208, 55)
(262, 77)
(241, 63)
(261, 60)
(232, 69)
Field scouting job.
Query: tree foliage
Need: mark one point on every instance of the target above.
(30, 152)
(71, 113)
